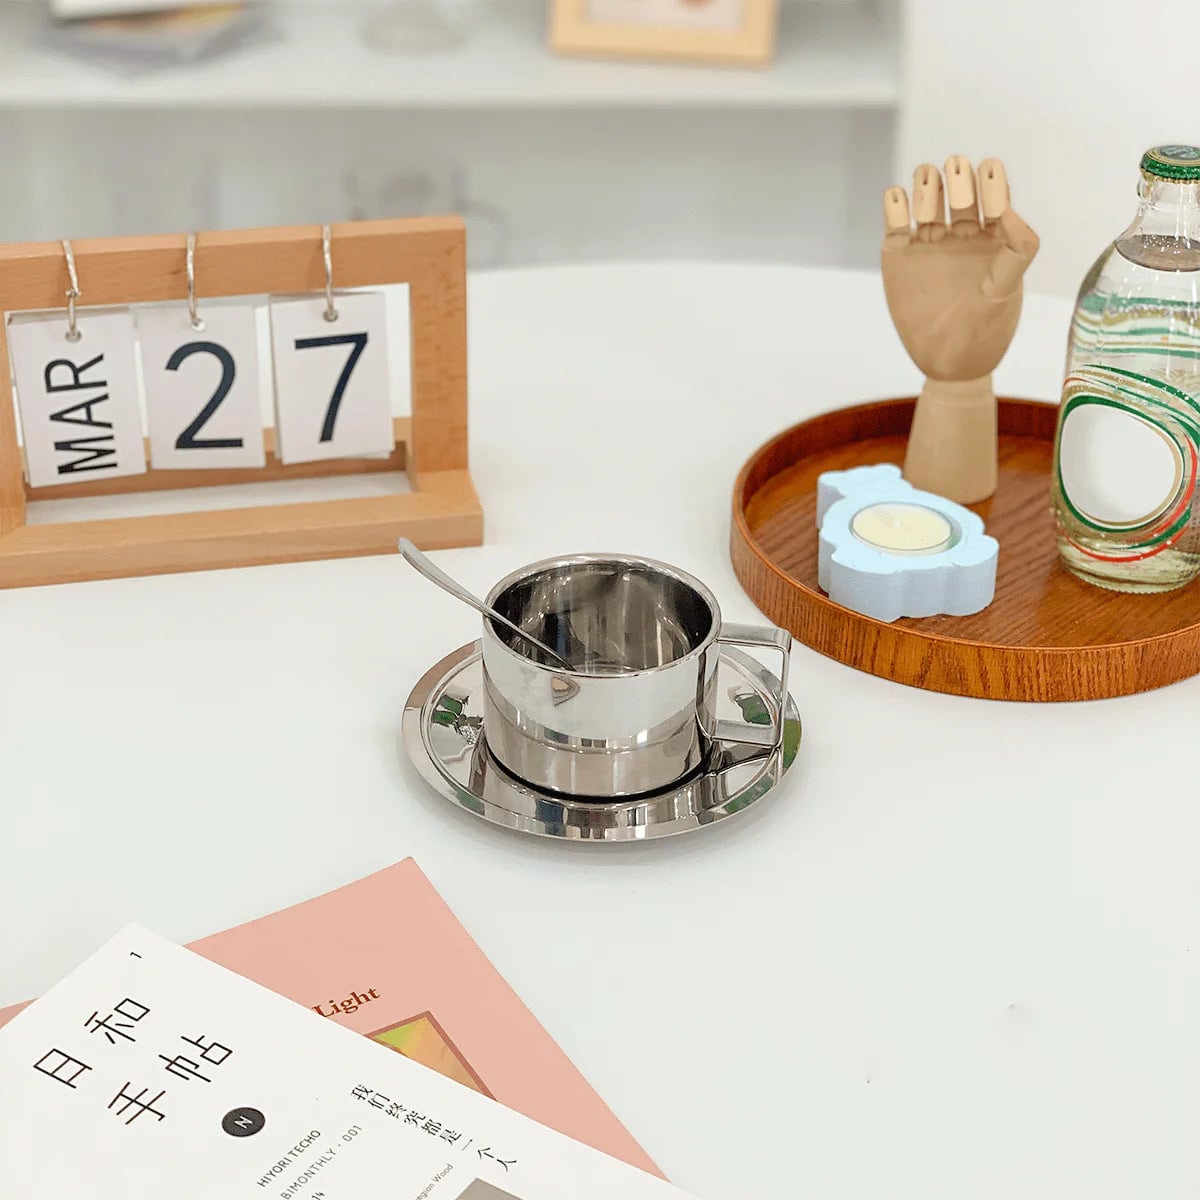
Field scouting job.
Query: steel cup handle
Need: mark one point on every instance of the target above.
(766, 637)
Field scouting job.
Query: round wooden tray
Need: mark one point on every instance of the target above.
(1046, 636)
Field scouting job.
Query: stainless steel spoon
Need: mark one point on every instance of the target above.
(416, 559)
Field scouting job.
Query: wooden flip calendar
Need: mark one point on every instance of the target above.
(442, 509)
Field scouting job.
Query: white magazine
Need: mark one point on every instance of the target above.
(151, 1072)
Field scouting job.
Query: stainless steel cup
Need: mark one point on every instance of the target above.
(637, 713)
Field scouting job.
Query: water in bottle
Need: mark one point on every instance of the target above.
(1128, 443)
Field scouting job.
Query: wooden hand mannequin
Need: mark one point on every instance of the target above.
(954, 292)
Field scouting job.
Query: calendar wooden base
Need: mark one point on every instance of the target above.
(444, 513)
(429, 254)
(1046, 636)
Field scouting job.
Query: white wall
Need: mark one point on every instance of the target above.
(1069, 93)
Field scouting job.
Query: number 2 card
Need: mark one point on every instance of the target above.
(202, 387)
(332, 379)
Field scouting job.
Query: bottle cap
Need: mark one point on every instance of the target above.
(1173, 162)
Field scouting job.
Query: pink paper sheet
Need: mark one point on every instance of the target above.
(418, 983)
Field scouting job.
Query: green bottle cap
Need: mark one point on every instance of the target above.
(1173, 162)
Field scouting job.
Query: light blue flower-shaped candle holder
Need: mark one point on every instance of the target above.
(888, 550)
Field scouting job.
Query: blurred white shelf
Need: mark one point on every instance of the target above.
(830, 56)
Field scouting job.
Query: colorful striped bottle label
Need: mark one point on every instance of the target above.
(1126, 461)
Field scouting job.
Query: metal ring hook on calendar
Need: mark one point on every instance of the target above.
(73, 334)
(331, 313)
(194, 318)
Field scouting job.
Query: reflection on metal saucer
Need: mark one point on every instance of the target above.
(444, 735)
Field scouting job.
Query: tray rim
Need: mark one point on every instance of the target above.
(744, 547)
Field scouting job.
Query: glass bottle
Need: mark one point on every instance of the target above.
(1126, 452)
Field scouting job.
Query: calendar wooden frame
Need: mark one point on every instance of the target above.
(429, 254)
(574, 31)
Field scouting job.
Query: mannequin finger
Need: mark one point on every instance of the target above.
(1017, 235)
(927, 203)
(993, 193)
(896, 226)
(960, 194)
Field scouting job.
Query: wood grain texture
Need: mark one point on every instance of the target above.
(238, 262)
(954, 291)
(1047, 636)
(444, 513)
(429, 254)
(437, 301)
(12, 467)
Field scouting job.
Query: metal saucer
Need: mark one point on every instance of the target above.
(443, 733)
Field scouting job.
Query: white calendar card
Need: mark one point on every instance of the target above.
(332, 378)
(152, 1072)
(78, 399)
(201, 383)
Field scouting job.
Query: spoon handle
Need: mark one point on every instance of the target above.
(437, 576)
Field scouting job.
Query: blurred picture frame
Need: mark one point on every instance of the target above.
(736, 32)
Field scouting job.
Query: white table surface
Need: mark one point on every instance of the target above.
(956, 956)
